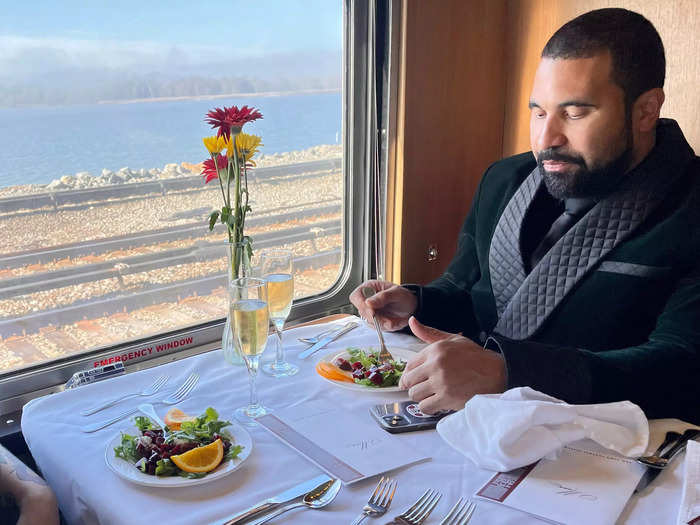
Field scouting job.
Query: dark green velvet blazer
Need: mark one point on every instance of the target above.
(628, 327)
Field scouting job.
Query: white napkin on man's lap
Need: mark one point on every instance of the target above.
(506, 431)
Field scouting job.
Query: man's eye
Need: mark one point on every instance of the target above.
(538, 114)
(574, 115)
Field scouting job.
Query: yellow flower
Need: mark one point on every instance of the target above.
(229, 147)
(248, 145)
(214, 144)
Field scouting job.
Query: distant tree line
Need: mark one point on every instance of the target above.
(85, 88)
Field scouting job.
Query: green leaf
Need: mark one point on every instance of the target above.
(212, 219)
(142, 423)
(127, 450)
(165, 467)
(225, 214)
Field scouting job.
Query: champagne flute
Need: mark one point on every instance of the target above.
(276, 267)
(250, 318)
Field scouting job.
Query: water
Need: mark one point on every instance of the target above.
(38, 145)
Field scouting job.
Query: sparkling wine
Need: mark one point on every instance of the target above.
(280, 291)
(250, 323)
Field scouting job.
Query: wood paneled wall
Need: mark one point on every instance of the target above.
(450, 126)
(466, 72)
(532, 22)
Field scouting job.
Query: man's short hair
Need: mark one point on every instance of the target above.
(638, 61)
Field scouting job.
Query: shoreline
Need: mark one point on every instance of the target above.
(224, 95)
(126, 175)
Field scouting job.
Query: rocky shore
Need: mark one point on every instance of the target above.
(84, 179)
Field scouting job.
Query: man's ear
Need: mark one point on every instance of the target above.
(647, 108)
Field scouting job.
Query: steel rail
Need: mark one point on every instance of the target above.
(174, 233)
(38, 202)
(116, 268)
(156, 294)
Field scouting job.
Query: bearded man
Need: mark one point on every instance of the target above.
(578, 265)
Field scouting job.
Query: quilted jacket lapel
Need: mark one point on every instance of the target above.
(525, 302)
(505, 260)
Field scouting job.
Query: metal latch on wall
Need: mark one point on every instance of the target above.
(432, 253)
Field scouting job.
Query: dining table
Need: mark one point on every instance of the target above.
(74, 464)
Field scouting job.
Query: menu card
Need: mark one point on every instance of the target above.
(585, 485)
(346, 446)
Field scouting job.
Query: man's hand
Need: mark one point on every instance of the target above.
(391, 304)
(450, 370)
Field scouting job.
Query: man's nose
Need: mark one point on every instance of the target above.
(550, 135)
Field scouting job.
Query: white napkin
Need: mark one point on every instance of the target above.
(690, 500)
(506, 431)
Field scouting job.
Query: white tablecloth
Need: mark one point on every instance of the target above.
(88, 492)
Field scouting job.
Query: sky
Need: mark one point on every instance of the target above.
(49, 39)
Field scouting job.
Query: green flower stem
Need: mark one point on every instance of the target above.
(221, 184)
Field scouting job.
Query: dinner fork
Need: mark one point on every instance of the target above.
(159, 382)
(379, 501)
(384, 354)
(460, 514)
(316, 338)
(420, 510)
(174, 398)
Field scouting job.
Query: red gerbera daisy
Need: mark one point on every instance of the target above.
(209, 171)
(232, 118)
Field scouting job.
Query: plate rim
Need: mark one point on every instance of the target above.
(177, 481)
(354, 386)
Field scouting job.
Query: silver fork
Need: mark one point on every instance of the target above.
(316, 338)
(379, 501)
(174, 398)
(159, 382)
(460, 514)
(148, 410)
(420, 510)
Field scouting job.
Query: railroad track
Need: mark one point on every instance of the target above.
(174, 233)
(154, 294)
(39, 202)
(117, 268)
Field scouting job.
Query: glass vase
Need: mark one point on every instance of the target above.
(238, 255)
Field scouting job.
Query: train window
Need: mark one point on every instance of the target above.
(104, 238)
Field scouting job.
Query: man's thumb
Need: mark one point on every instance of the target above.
(426, 334)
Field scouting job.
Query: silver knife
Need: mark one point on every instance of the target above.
(267, 505)
(650, 473)
(328, 339)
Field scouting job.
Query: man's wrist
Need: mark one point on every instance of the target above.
(417, 291)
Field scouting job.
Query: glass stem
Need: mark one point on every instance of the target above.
(252, 375)
(279, 359)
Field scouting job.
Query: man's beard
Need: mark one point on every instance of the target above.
(584, 182)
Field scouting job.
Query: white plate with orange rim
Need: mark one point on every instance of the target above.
(128, 471)
(399, 354)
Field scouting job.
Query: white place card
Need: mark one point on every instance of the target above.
(585, 485)
(346, 446)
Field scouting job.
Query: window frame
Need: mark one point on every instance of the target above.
(20, 386)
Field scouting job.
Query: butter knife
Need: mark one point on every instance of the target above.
(328, 339)
(651, 472)
(269, 504)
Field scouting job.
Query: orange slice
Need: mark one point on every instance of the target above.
(201, 459)
(330, 371)
(175, 417)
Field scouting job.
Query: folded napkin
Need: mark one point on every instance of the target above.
(690, 500)
(506, 431)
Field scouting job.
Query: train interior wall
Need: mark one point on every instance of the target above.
(466, 72)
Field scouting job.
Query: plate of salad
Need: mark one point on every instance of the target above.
(360, 370)
(198, 450)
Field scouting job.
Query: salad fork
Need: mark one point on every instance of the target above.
(420, 510)
(460, 514)
(379, 501)
(174, 398)
(157, 384)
